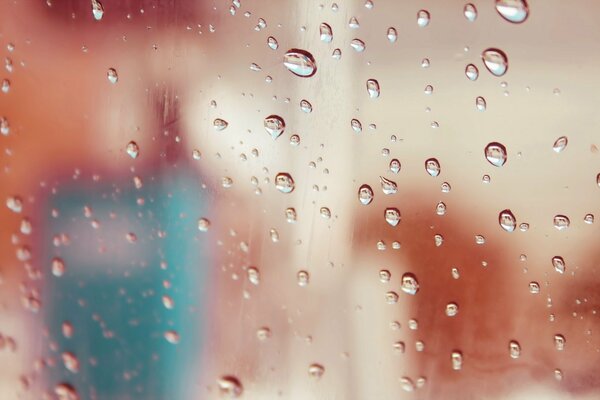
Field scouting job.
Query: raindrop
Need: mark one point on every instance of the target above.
(58, 267)
(284, 182)
(385, 275)
(326, 33)
(305, 106)
(451, 309)
(425, 63)
(515, 11)
(220, 124)
(203, 224)
(392, 34)
(440, 209)
(428, 89)
(409, 284)
(302, 278)
(373, 88)
(432, 166)
(407, 384)
(230, 386)
(358, 45)
(112, 76)
(446, 187)
(168, 302)
(300, 63)
(514, 349)
(588, 219)
(357, 128)
(395, 166)
(365, 194)
(274, 125)
(470, 12)
(172, 336)
(507, 220)
(438, 240)
(419, 345)
(486, 179)
(14, 203)
(455, 273)
(472, 72)
(253, 275)
(353, 23)
(132, 149)
(388, 186)
(97, 10)
(272, 43)
(559, 342)
(391, 297)
(392, 216)
(495, 153)
(479, 239)
(561, 222)
(560, 144)
(558, 375)
(294, 140)
(495, 61)
(325, 212)
(457, 360)
(65, 391)
(67, 329)
(423, 18)
(290, 215)
(70, 362)
(534, 287)
(336, 54)
(480, 103)
(559, 264)
(316, 371)
(263, 333)
(274, 235)
(400, 347)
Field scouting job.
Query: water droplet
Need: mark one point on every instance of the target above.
(559, 342)
(472, 72)
(5, 86)
(457, 360)
(316, 371)
(479, 239)
(373, 88)
(495, 61)
(263, 333)
(300, 63)
(409, 285)
(220, 124)
(253, 275)
(438, 240)
(395, 166)
(392, 216)
(428, 89)
(132, 149)
(325, 212)
(561, 222)
(168, 302)
(357, 128)
(514, 349)
(172, 336)
(58, 267)
(391, 297)
(272, 43)
(67, 329)
(230, 386)
(507, 220)
(203, 224)
(255, 67)
(440, 209)
(432, 166)
(305, 106)
(284, 182)
(560, 144)
(451, 309)
(70, 362)
(425, 63)
(290, 215)
(274, 125)
(358, 45)
(388, 186)
(495, 153)
(326, 33)
(419, 345)
(480, 103)
(65, 391)
(336, 54)
(558, 375)
(515, 11)
(534, 287)
(588, 219)
(97, 10)
(385, 275)
(274, 235)
(392, 34)
(470, 12)
(353, 23)
(302, 278)
(423, 18)
(559, 264)
(112, 76)
(261, 24)
(455, 273)
(399, 347)
(407, 384)
(294, 140)
(365, 194)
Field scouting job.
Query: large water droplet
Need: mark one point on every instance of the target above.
(507, 220)
(365, 194)
(409, 284)
(423, 18)
(388, 186)
(303, 278)
(326, 33)
(373, 88)
(432, 166)
(274, 125)
(470, 12)
(560, 144)
(97, 10)
(495, 61)
(515, 11)
(230, 386)
(284, 182)
(300, 63)
(495, 153)
(392, 216)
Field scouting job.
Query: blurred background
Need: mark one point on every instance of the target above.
(299, 199)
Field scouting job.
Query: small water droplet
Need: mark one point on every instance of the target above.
(220, 124)
(172, 336)
(432, 166)
(507, 220)
(392, 34)
(425, 63)
(336, 54)
(588, 219)
(274, 125)
(388, 186)
(480, 103)
(561, 222)
(472, 72)
(409, 285)
(58, 267)
(457, 360)
(284, 182)
(305, 106)
(326, 33)
(168, 302)
(274, 235)
(325, 212)
(515, 11)
(290, 215)
(230, 386)
(455, 273)
(300, 62)
(560, 144)
(203, 224)
(65, 391)
(132, 149)
(97, 10)
(373, 88)
(438, 240)
(112, 75)
(358, 45)
(353, 23)
(479, 239)
(357, 128)
(263, 333)
(395, 166)
(365, 194)
(302, 278)
(534, 287)
(559, 264)
(558, 375)
(391, 297)
(470, 12)
(392, 216)
(70, 362)
(423, 18)
(385, 276)
(446, 187)
(67, 329)
(514, 349)
(272, 43)
(451, 309)
(495, 61)
(407, 384)
(316, 371)
(294, 140)
(440, 209)
(495, 153)
(559, 342)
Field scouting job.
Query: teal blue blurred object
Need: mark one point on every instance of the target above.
(112, 289)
